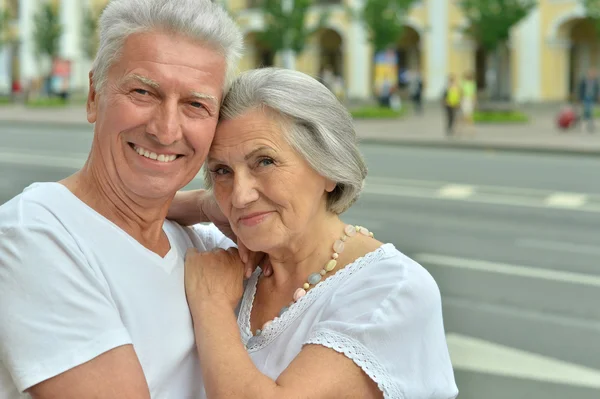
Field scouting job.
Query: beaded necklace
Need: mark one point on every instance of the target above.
(314, 278)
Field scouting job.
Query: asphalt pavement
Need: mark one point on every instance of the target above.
(512, 239)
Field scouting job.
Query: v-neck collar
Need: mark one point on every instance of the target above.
(166, 263)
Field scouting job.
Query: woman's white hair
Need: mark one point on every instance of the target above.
(200, 20)
(315, 123)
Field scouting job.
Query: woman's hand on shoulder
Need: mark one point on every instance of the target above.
(214, 277)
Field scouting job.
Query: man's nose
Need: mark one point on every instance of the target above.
(245, 191)
(165, 125)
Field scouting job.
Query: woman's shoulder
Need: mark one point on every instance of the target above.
(389, 272)
(389, 263)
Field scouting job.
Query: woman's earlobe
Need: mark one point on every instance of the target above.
(330, 186)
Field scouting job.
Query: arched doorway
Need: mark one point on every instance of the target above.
(408, 52)
(584, 51)
(258, 54)
(493, 71)
(330, 53)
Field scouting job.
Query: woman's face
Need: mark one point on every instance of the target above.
(266, 189)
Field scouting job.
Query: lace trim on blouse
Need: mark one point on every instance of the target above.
(360, 355)
(279, 324)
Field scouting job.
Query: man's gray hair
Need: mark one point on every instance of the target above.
(200, 20)
(315, 123)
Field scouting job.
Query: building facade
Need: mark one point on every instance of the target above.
(547, 54)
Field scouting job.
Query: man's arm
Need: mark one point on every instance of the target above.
(114, 374)
(61, 334)
(187, 207)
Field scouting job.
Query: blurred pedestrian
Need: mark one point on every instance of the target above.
(451, 101)
(589, 90)
(468, 102)
(416, 91)
(385, 92)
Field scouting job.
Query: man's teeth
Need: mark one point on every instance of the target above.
(155, 156)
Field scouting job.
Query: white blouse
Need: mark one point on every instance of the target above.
(383, 312)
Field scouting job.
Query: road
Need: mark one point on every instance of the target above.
(512, 240)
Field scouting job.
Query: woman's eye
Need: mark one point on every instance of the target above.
(266, 162)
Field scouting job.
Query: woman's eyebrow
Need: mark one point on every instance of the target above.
(259, 149)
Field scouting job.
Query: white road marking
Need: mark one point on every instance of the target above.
(566, 200)
(456, 191)
(404, 188)
(561, 246)
(480, 187)
(477, 355)
(508, 269)
(43, 160)
(488, 199)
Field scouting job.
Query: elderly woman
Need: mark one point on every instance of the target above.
(342, 315)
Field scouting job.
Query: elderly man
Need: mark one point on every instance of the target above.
(92, 301)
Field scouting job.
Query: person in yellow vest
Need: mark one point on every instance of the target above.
(452, 99)
(468, 101)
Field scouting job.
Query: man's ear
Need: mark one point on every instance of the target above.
(92, 105)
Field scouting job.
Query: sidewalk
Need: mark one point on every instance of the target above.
(539, 135)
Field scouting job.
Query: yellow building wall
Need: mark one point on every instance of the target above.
(419, 14)
(461, 50)
(554, 56)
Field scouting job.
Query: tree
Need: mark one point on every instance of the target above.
(90, 38)
(384, 21)
(48, 30)
(286, 29)
(490, 23)
(4, 27)
(592, 8)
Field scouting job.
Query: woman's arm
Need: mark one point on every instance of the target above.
(214, 287)
(228, 372)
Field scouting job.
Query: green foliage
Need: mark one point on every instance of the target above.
(592, 8)
(490, 21)
(48, 30)
(4, 27)
(383, 20)
(500, 117)
(376, 113)
(47, 102)
(90, 32)
(288, 30)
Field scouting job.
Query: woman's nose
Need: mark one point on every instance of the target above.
(244, 190)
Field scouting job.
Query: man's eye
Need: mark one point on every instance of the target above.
(220, 171)
(196, 104)
(141, 91)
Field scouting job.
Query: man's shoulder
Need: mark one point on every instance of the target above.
(38, 204)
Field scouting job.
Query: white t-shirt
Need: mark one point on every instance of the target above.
(73, 285)
(383, 312)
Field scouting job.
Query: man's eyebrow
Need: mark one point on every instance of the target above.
(142, 79)
(204, 96)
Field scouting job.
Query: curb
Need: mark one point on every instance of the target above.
(478, 146)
